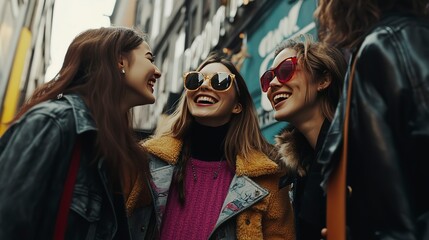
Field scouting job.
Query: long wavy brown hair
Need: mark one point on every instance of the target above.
(243, 134)
(90, 69)
(344, 23)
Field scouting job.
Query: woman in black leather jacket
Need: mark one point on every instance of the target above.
(389, 115)
(106, 71)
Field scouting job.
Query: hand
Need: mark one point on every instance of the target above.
(324, 233)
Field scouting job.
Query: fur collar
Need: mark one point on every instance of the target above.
(168, 148)
(288, 142)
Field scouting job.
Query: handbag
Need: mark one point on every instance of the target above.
(336, 185)
(63, 212)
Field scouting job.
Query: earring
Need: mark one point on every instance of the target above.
(123, 70)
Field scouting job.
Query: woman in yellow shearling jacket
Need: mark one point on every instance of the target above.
(215, 125)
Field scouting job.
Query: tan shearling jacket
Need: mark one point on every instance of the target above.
(268, 215)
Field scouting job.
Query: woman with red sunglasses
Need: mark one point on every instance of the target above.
(211, 168)
(303, 87)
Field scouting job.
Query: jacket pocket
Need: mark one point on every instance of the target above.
(86, 203)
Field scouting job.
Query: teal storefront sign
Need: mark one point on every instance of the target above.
(284, 19)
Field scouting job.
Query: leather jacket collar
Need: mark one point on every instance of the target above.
(83, 118)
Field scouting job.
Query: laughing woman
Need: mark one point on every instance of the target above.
(303, 87)
(66, 159)
(212, 173)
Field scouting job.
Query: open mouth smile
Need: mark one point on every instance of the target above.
(280, 97)
(151, 83)
(203, 99)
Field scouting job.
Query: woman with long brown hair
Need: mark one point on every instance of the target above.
(212, 171)
(105, 73)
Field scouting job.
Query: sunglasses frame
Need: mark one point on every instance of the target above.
(208, 77)
(275, 70)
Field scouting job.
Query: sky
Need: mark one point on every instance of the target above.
(71, 18)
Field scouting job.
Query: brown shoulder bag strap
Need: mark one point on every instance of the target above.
(336, 187)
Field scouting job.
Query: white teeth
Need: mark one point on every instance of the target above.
(281, 95)
(151, 82)
(206, 99)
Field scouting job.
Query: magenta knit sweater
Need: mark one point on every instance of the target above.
(204, 197)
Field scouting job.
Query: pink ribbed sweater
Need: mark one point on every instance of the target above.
(203, 202)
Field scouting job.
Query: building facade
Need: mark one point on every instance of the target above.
(25, 39)
(183, 32)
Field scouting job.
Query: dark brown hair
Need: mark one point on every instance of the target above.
(344, 23)
(90, 69)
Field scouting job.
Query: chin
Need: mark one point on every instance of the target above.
(202, 115)
(280, 117)
(149, 97)
(146, 100)
(150, 101)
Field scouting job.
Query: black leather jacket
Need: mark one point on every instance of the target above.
(35, 155)
(388, 133)
(307, 197)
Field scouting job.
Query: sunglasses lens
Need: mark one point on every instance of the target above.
(285, 71)
(193, 81)
(266, 78)
(221, 81)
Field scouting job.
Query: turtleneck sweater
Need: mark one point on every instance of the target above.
(207, 143)
(204, 194)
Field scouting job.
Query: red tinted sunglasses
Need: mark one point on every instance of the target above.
(284, 72)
